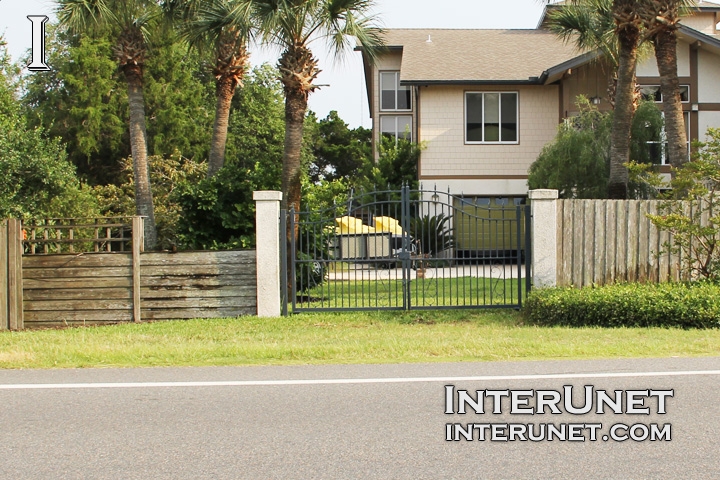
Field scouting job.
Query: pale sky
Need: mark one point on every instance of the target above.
(346, 90)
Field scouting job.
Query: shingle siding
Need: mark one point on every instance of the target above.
(442, 123)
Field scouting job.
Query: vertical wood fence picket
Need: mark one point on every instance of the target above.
(609, 241)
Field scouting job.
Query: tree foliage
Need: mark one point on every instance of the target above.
(577, 161)
(37, 179)
(83, 101)
(340, 152)
(219, 212)
(694, 222)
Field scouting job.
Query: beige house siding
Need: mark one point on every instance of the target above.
(702, 22)
(707, 120)
(442, 117)
(648, 66)
(709, 78)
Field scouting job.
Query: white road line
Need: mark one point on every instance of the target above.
(350, 381)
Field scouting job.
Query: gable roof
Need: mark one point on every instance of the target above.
(447, 56)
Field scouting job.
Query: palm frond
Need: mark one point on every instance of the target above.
(84, 15)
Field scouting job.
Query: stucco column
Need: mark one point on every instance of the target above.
(267, 234)
(544, 237)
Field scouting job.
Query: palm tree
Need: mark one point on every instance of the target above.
(128, 20)
(613, 27)
(225, 27)
(661, 18)
(589, 24)
(627, 30)
(293, 25)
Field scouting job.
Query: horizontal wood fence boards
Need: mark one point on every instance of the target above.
(98, 288)
(609, 241)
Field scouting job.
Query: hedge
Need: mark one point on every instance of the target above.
(684, 305)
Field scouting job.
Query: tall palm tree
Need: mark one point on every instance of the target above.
(293, 25)
(613, 27)
(128, 20)
(225, 27)
(661, 18)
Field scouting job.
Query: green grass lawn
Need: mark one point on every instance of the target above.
(377, 337)
(425, 292)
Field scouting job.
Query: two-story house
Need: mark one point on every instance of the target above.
(485, 102)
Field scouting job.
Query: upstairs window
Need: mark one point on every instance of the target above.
(393, 96)
(491, 117)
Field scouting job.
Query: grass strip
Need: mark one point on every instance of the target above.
(377, 337)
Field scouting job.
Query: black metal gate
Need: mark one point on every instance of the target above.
(407, 249)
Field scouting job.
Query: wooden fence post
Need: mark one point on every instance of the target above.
(4, 312)
(138, 239)
(11, 285)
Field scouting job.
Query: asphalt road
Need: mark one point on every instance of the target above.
(379, 421)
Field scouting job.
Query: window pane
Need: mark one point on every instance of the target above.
(387, 88)
(509, 117)
(492, 117)
(474, 103)
(404, 127)
(684, 93)
(651, 92)
(403, 95)
(387, 126)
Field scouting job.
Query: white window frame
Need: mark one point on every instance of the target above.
(663, 139)
(517, 118)
(397, 132)
(396, 89)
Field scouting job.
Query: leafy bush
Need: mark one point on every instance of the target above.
(685, 305)
(695, 222)
(167, 175)
(218, 213)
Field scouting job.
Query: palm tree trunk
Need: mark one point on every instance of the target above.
(665, 43)
(138, 146)
(295, 108)
(225, 91)
(624, 111)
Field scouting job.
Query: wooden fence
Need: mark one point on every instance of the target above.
(99, 287)
(607, 241)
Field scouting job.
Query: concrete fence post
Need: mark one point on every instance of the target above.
(267, 234)
(544, 237)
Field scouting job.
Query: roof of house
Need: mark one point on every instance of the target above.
(699, 6)
(478, 56)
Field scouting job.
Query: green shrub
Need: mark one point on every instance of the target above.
(685, 305)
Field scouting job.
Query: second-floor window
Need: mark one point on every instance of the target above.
(393, 96)
(491, 117)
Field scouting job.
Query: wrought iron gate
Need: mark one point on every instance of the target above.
(407, 249)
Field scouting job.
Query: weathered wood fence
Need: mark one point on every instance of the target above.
(106, 286)
(607, 241)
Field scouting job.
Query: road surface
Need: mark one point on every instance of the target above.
(372, 421)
